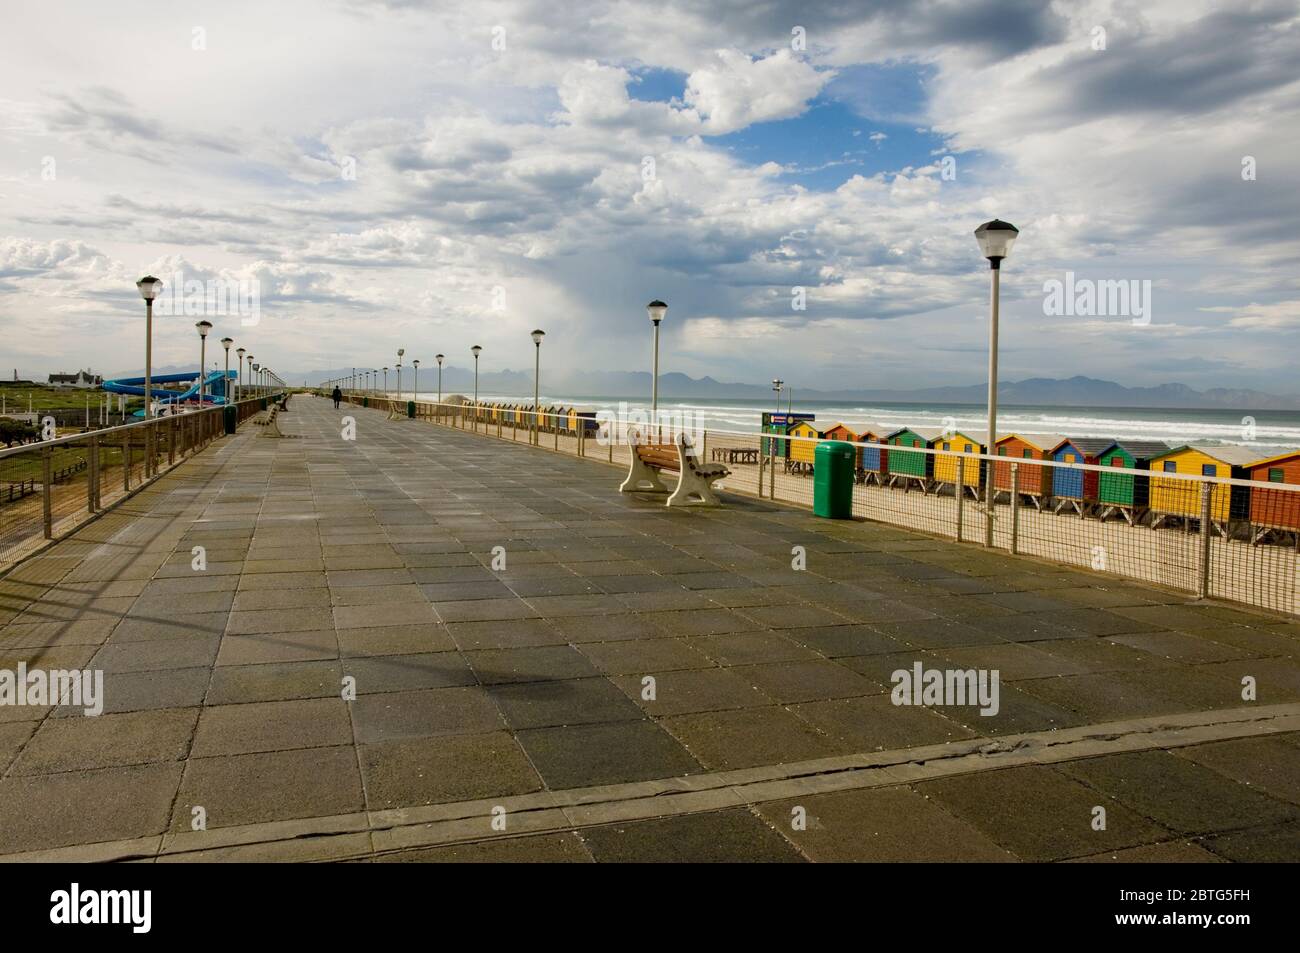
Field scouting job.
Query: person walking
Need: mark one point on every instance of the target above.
(338, 396)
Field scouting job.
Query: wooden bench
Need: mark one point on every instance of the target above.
(266, 418)
(694, 479)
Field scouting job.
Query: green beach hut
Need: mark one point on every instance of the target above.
(1124, 493)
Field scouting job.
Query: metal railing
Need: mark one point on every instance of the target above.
(49, 488)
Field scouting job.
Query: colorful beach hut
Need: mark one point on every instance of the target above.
(778, 423)
(1275, 511)
(946, 464)
(839, 431)
(907, 467)
(1173, 500)
(801, 450)
(1034, 482)
(1128, 494)
(873, 461)
(1077, 488)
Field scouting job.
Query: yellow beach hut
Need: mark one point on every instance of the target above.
(1173, 499)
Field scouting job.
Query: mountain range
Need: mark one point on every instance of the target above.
(1075, 391)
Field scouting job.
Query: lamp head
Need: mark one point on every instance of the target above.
(996, 238)
(150, 287)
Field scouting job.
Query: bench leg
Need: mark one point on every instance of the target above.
(641, 479)
(694, 490)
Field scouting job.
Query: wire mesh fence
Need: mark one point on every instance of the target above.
(49, 488)
(1226, 538)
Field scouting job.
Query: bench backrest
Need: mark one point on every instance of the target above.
(660, 455)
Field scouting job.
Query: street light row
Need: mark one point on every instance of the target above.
(370, 378)
(150, 287)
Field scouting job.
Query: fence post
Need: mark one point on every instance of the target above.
(961, 492)
(1015, 507)
(1203, 583)
(47, 477)
(92, 478)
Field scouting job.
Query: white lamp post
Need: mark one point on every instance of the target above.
(476, 351)
(150, 287)
(438, 358)
(537, 336)
(995, 238)
(415, 385)
(204, 327)
(400, 352)
(777, 384)
(225, 381)
(656, 310)
(385, 382)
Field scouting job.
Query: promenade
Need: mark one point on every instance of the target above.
(546, 669)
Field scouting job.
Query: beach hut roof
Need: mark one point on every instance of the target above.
(979, 436)
(925, 433)
(1088, 446)
(1228, 453)
(1043, 441)
(1284, 455)
(1140, 449)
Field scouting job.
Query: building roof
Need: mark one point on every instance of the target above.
(1284, 455)
(925, 433)
(981, 437)
(1230, 454)
(1088, 446)
(1140, 449)
(1043, 441)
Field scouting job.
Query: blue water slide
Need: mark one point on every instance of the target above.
(134, 387)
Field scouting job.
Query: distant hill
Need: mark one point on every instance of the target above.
(1075, 391)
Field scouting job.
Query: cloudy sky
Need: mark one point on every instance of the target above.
(431, 175)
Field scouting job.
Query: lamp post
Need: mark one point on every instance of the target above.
(537, 336)
(476, 351)
(777, 384)
(415, 385)
(225, 381)
(239, 383)
(150, 287)
(385, 382)
(204, 327)
(995, 239)
(252, 385)
(256, 379)
(438, 358)
(400, 352)
(656, 310)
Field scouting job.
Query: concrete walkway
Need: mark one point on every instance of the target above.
(632, 683)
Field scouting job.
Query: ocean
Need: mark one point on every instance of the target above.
(1266, 429)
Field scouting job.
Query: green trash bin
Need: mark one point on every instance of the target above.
(230, 413)
(365, 401)
(833, 479)
(410, 409)
(264, 403)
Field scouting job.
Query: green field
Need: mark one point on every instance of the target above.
(43, 397)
